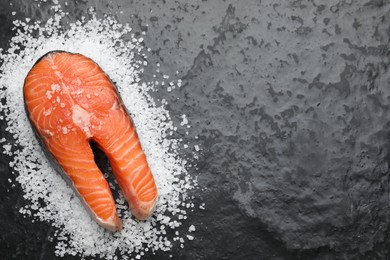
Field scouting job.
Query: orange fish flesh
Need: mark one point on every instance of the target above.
(70, 101)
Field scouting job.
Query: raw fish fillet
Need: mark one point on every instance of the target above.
(70, 101)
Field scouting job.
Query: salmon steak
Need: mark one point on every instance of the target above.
(70, 102)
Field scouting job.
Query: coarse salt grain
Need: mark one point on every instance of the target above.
(185, 120)
(192, 228)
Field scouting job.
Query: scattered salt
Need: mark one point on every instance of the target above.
(65, 130)
(55, 87)
(48, 94)
(185, 120)
(191, 228)
(76, 234)
(47, 112)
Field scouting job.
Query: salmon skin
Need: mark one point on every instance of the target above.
(70, 101)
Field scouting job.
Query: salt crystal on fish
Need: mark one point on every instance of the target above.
(48, 94)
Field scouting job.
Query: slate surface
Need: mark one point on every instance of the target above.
(291, 102)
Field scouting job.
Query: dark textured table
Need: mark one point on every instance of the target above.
(291, 102)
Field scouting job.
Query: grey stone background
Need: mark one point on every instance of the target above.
(291, 102)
